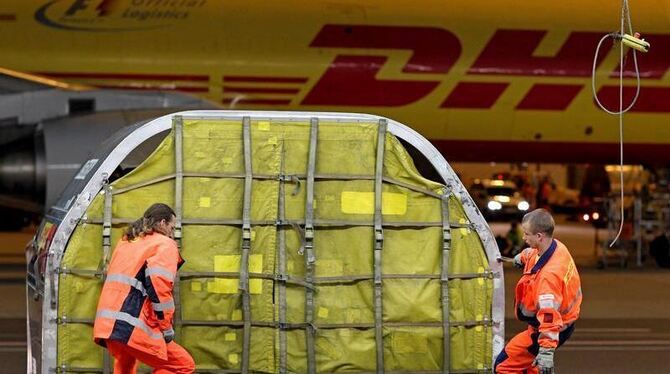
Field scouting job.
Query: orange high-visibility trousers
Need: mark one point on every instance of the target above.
(520, 352)
(179, 361)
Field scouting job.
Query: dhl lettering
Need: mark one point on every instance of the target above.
(434, 50)
(510, 52)
(474, 95)
(549, 96)
(651, 99)
(652, 65)
(351, 80)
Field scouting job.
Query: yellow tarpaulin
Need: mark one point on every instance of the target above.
(344, 316)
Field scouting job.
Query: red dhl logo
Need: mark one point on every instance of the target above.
(351, 79)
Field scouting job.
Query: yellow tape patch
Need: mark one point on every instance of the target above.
(464, 230)
(352, 202)
(205, 202)
(233, 358)
(196, 286)
(231, 337)
(480, 280)
(231, 264)
(211, 286)
(323, 312)
(264, 125)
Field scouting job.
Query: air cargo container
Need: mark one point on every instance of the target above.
(313, 244)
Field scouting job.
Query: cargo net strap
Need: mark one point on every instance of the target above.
(324, 223)
(104, 261)
(63, 320)
(178, 125)
(310, 259)
(246, 244)
(379, 244)
(283, 278)
(296, 178)
(446, 247)
(297, 281)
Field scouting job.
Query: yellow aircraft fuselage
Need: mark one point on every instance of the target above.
(484, 80)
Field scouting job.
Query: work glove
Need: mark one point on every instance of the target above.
(545, 361)
(168, 335)
(517, 261)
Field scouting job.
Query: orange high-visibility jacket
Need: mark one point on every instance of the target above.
(549, 293)
(136, 304)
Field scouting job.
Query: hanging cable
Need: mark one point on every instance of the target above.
(635, 43)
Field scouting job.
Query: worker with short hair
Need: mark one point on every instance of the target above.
(134, 315)
(548, 297)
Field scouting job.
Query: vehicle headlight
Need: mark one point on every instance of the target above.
(501, 198)
(494, 205)
(523, 205)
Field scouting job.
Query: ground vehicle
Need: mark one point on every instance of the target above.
(254, 188)
(499, 199)
(594, 211)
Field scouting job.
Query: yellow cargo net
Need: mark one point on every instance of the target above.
(210, 302)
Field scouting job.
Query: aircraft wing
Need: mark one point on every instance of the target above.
(14, 82)
(48, 127)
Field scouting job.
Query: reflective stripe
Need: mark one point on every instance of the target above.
(160, 307)
(547, 301)
(122, 278)
(125, 317)
(551, 335)
(573, 302)
(526, 312)
(163, 272)
(548, 304)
